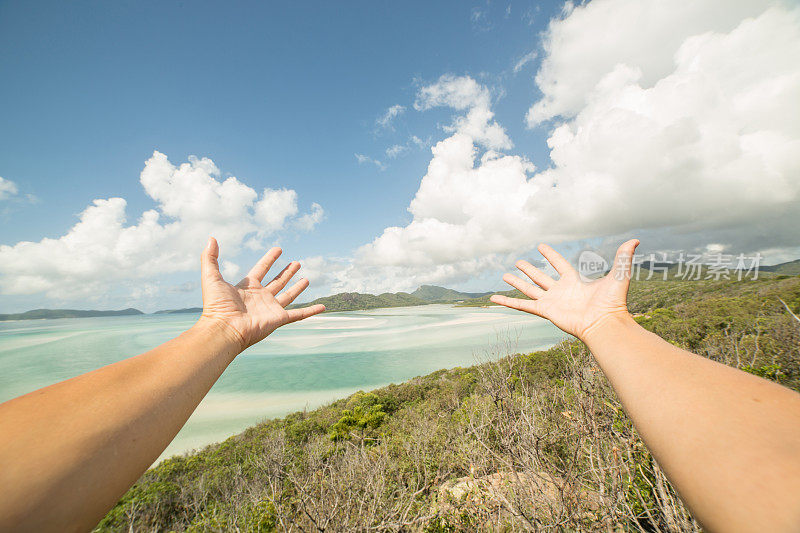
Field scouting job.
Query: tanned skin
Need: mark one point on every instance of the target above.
(69, 451)
(728, 441)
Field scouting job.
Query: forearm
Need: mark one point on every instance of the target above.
(729, 441)
(74, 448)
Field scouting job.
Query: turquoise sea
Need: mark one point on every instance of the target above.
(301, 365)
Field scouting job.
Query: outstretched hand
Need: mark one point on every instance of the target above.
(251, 311)
(574, 305)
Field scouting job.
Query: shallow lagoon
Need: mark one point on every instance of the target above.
(302, 365)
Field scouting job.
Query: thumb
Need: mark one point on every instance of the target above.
(623, 262)
(209, 267)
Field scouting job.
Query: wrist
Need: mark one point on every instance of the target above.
(218, 330)
(607, 326)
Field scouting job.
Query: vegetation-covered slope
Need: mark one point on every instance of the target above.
(790, 268)
(185, 310)
(353, 301)
(426, 294)
(527, 441)
(67, 313)
(432, 293)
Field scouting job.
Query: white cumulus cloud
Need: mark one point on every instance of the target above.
(192, 202)
(594, 38)
(679, 125)
(465, 94)
(229, 269)
(308, 221)
(709, 145)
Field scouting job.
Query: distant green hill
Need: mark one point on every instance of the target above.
(400, 299)
(432, 293)
(352, 301)
(791, 268)
(66, 313)
(179, 311)
(424, 295)
(483, 301)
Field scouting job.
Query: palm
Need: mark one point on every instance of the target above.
(573, 305)
(250, 310)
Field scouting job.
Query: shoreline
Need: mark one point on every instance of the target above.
(304, 365)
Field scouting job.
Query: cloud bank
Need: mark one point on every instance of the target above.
(192, 202)
(681, 123)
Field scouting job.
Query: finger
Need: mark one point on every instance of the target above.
(529, 306)
(304, 312)
(263, 265)
(209, 265)
(536, 275)
(280, 281)
(288, 296)
(561, 265)
(623, 261)
(527, 288)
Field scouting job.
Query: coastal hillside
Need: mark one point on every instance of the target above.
(66, 313)
(790, 268)
(432, 293)
(524, 441)
(426, 294)
(353, 301)
(185, 310)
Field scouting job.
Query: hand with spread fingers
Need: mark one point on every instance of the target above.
(92, 436)
(574, 305)
(250, 310)
(726, 439)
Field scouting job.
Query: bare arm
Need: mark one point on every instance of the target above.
(70, 451)
(728, 441)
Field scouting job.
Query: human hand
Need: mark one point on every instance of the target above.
(248, 310)
(575, 306)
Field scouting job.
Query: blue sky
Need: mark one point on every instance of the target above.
(276, 94)
(286, 95)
